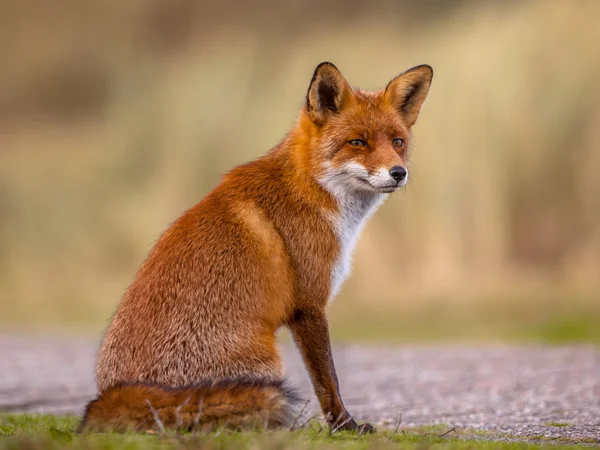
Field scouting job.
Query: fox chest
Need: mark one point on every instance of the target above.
(347, 226)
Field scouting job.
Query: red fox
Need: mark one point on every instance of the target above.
(192, 344)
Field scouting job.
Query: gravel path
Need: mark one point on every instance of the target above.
(514, 390)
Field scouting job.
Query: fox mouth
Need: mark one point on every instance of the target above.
(386, 189)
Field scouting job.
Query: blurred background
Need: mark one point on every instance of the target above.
(117, 115)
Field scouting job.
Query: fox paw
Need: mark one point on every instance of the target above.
(351, 425)
(365, 428)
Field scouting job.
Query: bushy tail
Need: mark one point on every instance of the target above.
(229, 403)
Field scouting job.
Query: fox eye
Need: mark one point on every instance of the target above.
(358, 143)
(398, 142)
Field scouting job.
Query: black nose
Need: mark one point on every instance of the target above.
(398, 173)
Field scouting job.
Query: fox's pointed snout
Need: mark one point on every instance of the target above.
(398, 173)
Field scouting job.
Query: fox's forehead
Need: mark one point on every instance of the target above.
(369, 99)
(369, 114)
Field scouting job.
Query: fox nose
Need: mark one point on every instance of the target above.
(398, 173)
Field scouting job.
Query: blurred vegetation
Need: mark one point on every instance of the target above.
(116, 116)
(51, 432)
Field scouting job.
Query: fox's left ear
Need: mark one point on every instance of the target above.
(327, 94)
(408, 91)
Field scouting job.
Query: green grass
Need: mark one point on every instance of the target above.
(46, 431)
(514, 320)
(557, 424)
(510, 323)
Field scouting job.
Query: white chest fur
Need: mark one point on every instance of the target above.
(354, 210)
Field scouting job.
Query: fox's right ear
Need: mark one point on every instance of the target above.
(408, 91)
(327, 94)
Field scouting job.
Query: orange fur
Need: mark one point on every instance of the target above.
(269, 246)
(235, 404)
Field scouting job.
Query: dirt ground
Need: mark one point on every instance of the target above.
(529, 392)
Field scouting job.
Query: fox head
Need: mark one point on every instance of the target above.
(359, 140)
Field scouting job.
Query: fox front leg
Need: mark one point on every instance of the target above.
(311, 333)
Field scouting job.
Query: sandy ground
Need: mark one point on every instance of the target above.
(520, 391)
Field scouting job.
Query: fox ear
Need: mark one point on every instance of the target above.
(408, 91)
(328, 92)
